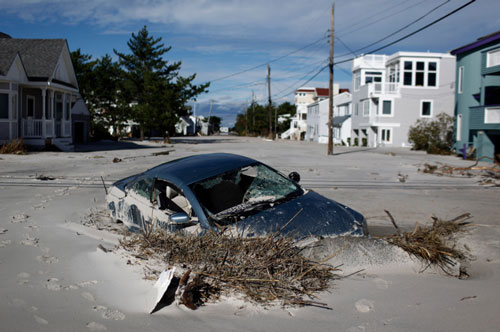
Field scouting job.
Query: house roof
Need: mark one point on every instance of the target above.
(478, 43)
(322, 92)
(39, 56)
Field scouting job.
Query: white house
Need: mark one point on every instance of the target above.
(317, 120)
(390, 93)
(303, 97)
(38, 90)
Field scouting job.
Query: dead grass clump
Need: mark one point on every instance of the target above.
(263, 270)
(434, 244)
(17, 146)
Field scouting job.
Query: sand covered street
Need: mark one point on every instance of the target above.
(53, 276)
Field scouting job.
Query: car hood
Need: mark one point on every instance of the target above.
(320, 216)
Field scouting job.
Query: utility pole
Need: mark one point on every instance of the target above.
(269, 100)
(330, 87)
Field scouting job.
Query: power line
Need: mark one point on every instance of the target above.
(414, 32)
(268, 62)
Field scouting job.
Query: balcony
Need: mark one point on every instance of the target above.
(373, 61)
(484, 117)
(376, 89)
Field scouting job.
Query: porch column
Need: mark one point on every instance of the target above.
(44, 94)
(51, 112)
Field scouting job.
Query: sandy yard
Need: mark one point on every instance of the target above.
(53, 277)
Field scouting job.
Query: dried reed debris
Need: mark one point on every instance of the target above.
(435, 244)
(17, 146)
(489, 174)
(263, 270)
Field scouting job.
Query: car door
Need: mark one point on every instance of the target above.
(138, 204)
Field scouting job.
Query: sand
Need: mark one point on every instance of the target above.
(53, 276)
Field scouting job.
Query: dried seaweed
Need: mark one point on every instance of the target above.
(264, 270)
(488, 173)
(434, 244)
(16, 146)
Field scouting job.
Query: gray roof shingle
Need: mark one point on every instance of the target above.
(39, 56)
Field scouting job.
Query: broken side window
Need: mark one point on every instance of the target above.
(143, 187)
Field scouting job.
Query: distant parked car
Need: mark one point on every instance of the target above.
(215, 190)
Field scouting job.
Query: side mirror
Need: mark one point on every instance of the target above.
(294, 176)
(179, 218)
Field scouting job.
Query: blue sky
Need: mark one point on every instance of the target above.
(217, 38)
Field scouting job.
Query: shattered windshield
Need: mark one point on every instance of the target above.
(242, 190)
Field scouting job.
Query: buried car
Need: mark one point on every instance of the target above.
(216, 190)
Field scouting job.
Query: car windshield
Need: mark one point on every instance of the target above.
(243, 190)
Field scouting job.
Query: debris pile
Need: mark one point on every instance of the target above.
(435, 244)
(17, 146)
(264, 270)
(489, 174)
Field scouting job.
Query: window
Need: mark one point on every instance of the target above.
(4, 105)
(419, 73)
(30, 106)
(357, 80)
(459, 127)
(366, 107)
(408, 73)
(386, 135)
(426, 108)
(460, 79)
(431, 73)
(373, 76)
(387, 107)
(493, 58)
(356, 109)
(492, 115)
(143, 187)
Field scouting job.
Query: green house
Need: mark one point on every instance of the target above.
(477, 97)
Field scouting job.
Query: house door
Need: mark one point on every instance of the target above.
(59, 115)
(78, 131)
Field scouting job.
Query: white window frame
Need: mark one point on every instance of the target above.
(381, 135)
(496, 58)
(425, 72)
(488, 114)
(460, 88)
(422, 108)
(356, 109)
(366, 110)
(381, 108)
(356, 80)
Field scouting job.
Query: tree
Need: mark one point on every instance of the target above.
(255, 121)
(109, 101)
(83, 67)
(159, 94)
(434, 136)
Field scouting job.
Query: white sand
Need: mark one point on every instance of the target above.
(54, 278)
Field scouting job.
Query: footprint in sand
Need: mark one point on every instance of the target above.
(19, 218)
(53, 285)
(47, 259)
(5, 243)
(364, 305)
(23, 278)
(88, 296)
(87, 283)
(109, 313)
(381, 283)
(38, 207)
(40, 320)
(31, 227)
(3, 230)
(96, 327)
(30, 241)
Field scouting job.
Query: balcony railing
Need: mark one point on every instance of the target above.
(32, 128)
(383, 88)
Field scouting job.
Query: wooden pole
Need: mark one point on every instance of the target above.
(330, 85)
(269, 100)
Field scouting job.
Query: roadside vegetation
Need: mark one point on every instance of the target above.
(434, 136)
(17, 146)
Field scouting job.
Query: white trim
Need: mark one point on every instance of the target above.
(431, 102)
(496, 58)
(492, 115)
(379, 124)
(460, 80)
(381, 109)
(459, 128)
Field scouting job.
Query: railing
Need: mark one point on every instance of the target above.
(383, 88)
(32, 128)
(375, 61)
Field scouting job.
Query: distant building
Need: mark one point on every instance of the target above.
(390, 93)
(477, 96)
(303, 97)
(317, 119)
(39, 94)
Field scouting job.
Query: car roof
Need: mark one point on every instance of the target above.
(192, 169)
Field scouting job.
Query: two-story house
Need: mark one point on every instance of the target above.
(477, 97)
(390, 93)
(39, 93)
(317, 119)
(303, 97)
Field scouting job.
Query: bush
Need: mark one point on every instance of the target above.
(434, 136)
(17, 146)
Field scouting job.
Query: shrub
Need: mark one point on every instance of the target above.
(17, 146)
(434, 136)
